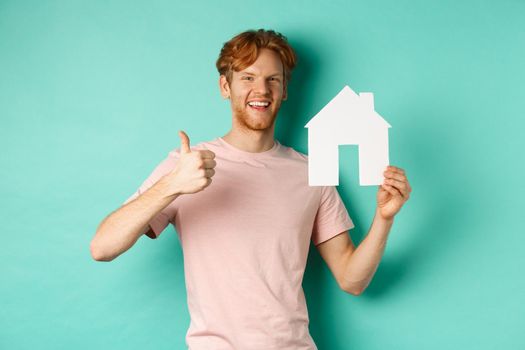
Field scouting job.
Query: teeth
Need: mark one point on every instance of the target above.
(260, 104)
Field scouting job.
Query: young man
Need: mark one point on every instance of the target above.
(245, 236)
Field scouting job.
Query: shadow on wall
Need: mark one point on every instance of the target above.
(292, 117)
(430, 234)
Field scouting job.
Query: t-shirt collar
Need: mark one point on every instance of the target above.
(249, 155)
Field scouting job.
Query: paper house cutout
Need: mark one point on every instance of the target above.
(348, 119)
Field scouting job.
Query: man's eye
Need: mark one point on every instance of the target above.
(247, 78)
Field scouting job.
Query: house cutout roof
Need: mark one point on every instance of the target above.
(347, 106)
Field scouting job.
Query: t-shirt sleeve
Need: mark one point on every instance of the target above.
(332, 217)
(160, 221)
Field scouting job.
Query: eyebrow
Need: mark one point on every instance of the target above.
(271, 75)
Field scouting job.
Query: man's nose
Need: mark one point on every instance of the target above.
(261, 86)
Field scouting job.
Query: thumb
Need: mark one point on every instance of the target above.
(184, 142)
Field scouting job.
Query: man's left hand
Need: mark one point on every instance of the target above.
(393, 193)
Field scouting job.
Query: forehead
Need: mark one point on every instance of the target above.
(268, 62)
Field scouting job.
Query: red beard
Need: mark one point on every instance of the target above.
(249, 119)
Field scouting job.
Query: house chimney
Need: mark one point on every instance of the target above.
(368, 99)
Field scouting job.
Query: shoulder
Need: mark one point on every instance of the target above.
(292, 154)
(205, 145)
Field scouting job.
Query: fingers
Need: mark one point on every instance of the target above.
(184, 142)
(185, 146)
(392, 190)
(395, 169)
(209, 163)
(394, 175)
(398, 185)
(207, 154)
(395, 178)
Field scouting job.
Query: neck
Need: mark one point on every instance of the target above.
(254, 141)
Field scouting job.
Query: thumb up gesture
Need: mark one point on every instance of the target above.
(194, 169)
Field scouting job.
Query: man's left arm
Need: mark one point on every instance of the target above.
(354, 268)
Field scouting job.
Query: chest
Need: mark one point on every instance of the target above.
(253, 195)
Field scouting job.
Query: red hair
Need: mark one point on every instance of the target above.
(242, 51)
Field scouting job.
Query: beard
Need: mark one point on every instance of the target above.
(254, 120)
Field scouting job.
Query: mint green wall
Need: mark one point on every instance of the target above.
(92, 95)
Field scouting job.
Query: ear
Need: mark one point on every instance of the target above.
(224, 86)
(285, 91)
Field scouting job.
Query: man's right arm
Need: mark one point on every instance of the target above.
(121, 229)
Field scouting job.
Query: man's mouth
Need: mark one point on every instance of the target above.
(259, 105)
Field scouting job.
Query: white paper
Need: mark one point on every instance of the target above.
(348, 119)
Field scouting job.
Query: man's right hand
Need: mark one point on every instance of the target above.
(193, 171)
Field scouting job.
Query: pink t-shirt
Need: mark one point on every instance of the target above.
(245, 241)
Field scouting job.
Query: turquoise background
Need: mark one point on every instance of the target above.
(93, 93)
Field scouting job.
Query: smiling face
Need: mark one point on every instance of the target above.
(256, 92)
